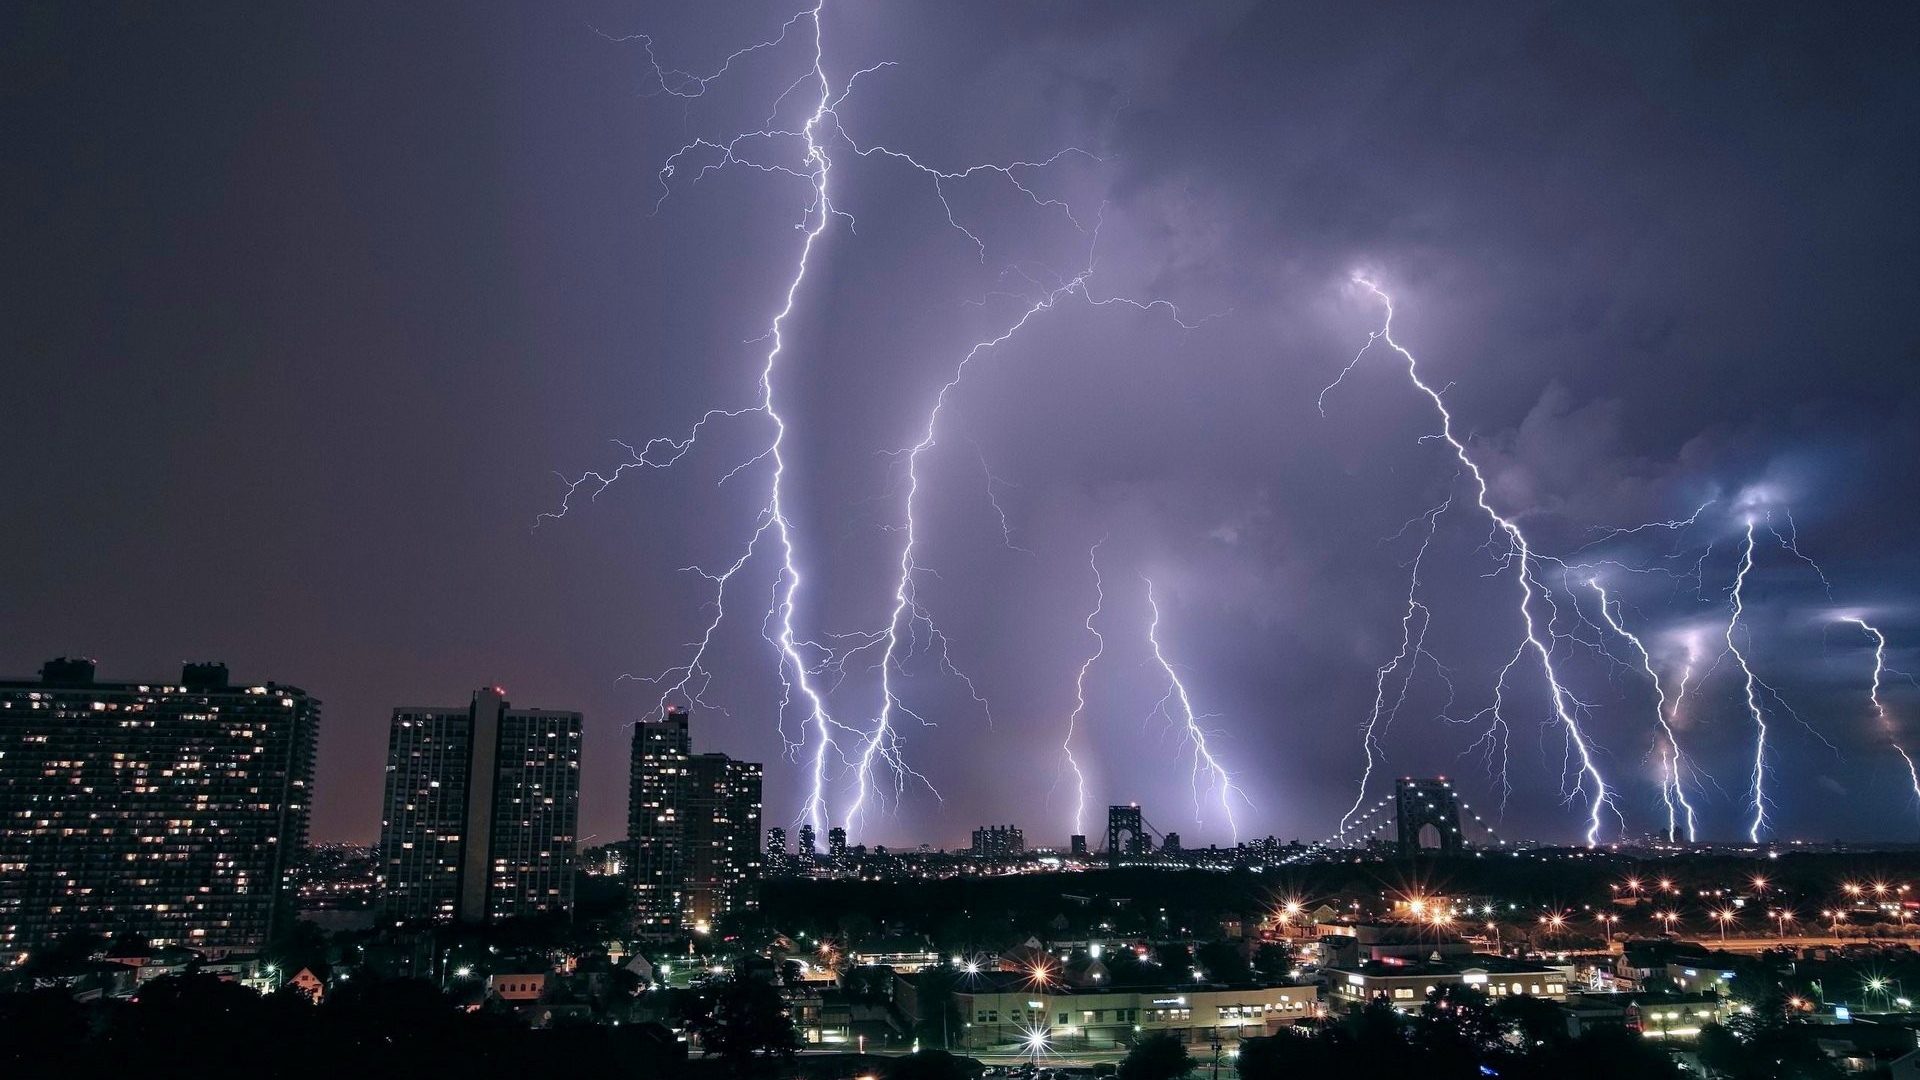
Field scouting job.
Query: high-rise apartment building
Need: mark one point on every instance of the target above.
(694, 820)
(999, 842)
(174, 810)
(481, 808)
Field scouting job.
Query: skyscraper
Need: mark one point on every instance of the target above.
(1428, 816)
(481, 807)
(172, 810)
(694, 820)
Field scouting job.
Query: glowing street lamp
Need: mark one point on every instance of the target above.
(1876, 985)
(1724, 917)
(1669, 918)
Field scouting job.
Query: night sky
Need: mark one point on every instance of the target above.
(306, 308)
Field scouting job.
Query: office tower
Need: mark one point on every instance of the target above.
(1428, 816)
(694, 820)
(999, 842)
(481, 807)
(171, 810)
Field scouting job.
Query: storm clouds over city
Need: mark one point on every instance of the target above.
(313, 314)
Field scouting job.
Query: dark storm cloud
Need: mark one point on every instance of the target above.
(305, 306)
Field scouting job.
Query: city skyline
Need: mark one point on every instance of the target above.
(1086, 361)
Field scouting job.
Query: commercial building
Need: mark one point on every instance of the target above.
(1345, 944)
(482, 804)
(694, 820)
(1006, 1008)
(1407, 982)
(1677, 1017)
(174, 810)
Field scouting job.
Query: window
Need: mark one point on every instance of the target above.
(1403, 993)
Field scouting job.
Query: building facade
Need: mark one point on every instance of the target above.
(1002, 1008)
(175, 810)
(1406, 983)
(694, 820)
(482, 804)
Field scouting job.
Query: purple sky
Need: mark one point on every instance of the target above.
(306, 307)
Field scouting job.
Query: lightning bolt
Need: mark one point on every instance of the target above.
(1413, 637)
(1673, 763)
(1519, 554)
(1759, 780)
(1880, 707)
(1205, 763)
(795, 669)
(800, 662)
(882, 742)
(1080, 693)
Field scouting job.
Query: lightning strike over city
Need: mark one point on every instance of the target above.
(1673, 763)
(1208, 775)
(1517, 555)
(837, 442)
(1880, 713)
(1080, 695)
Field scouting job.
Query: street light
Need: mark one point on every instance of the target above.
(1877, 985)
(1724, 916)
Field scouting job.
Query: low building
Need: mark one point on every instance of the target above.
(898, 952)
(1004, 1008)
(1349, 944)
(1406, 983)
(517, 988)
(1677, 1017)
